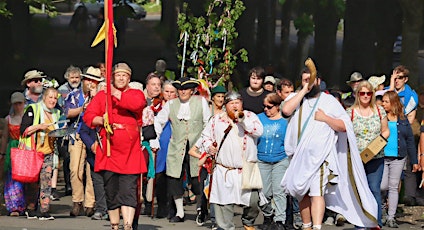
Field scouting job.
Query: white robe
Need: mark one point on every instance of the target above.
(347, 193)
(226, 184)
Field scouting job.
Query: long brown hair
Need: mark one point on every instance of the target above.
(396, 107)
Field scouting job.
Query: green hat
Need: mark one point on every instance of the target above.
(218, 89)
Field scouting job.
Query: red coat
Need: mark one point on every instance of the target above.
(126, 156)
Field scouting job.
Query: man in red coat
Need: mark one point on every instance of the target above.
(126, 162)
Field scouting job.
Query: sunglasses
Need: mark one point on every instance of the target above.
(369, 94)
(269, 106)
(36, 80)
(400, 77)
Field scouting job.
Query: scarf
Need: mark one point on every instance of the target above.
(43, 119)
(405, 97)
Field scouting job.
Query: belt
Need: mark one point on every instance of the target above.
(127, 127)
(228, 169)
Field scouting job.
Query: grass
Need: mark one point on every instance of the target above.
(152, 8)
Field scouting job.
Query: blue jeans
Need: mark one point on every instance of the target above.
(374, 170)
(272, 174)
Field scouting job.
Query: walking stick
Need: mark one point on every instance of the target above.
(154, 185)
(226, 132)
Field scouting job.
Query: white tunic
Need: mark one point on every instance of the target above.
(347, 193)
(240, 143)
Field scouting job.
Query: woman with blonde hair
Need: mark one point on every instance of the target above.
(370, 121)
(400, 144)
(39, 119)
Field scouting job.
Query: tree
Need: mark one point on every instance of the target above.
(207, 42)
(327, 14)
(412, 24)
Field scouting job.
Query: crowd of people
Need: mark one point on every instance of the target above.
(178, 143)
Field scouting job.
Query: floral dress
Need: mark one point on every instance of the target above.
(13, 190)
(367, 128)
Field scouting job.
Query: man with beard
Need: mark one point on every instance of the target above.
(73, 77)
(75, 104)
(230, 150)
(34, 86)
(332, 174)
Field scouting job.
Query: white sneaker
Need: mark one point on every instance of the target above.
(329, 221)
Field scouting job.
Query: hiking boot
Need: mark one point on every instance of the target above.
(76, 209)
(279, 225)
(89, 212)
(340, 220)
(391, 223)
(45, 216)
(268, 221)
(31, 214)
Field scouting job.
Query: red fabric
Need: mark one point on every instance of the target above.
(126, 154)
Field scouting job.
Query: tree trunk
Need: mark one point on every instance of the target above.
(359, 40)
(326, 21)
(388, 27)
(20, 24)
(284, 63)
(168, 21)
(246, 39)
(412, 24)
(265, 43)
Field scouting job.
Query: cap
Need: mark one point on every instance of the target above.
(17, 97)
(269, 79)
(122, 67)
(218, 89)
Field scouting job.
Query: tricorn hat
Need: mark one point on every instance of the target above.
(185, 83)
(93, 74)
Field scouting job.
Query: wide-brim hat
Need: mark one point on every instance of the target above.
(32, 74)
(354, 77)
(185, 83)
(376, 81)
(93, 74)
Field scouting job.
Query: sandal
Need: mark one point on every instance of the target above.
(114, 226)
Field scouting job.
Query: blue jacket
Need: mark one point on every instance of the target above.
(406, 143)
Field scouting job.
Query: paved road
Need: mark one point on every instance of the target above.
(60, 210)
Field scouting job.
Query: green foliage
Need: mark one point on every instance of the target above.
(304, 25)
(152, 8)
(3, 10)
(210, 45)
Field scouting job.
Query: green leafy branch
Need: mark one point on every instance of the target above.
(210, 40)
